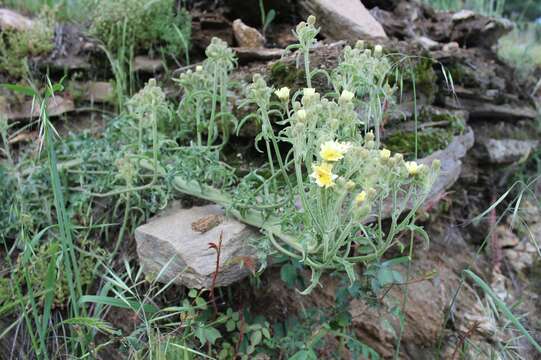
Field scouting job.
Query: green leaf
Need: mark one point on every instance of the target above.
(256, 338)
(207, 334)
(288, 274)
(25, 90)
(504, 309)
(230, 325)
(124, 304)
(304, 355)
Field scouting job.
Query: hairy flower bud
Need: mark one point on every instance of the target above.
(301, 114)
(359, 44)
(346, 96)
(311, 20)
(378, 50)
(282, 93)
(384, 154)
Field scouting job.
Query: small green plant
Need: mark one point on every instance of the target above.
(205, 105)
(522, 49)
(17, 47)
(318, 199)
(266, 17)
(140, 24)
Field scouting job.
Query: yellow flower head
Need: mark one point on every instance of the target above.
(360, 198)
(333, 151)
(384, 154)
(283, 93)
(413, 168)
(323, 175)
(346, 96)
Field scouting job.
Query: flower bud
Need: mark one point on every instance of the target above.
(369, 136)
(350, 185)
(301, 114)
(384, 154)
(283, 93)
(370, 144)
(360, 198)
(359, 44)
(311, 20)
(198, 68)
(308, 92)
(378, 50)
(436, 164)
(346, 96)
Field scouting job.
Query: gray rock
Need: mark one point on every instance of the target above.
(451, 163)
(147, 65)
(247, 36)
(343, 19)
(175, 246)
(56, 106)
(471, 29)
(507, 151)
(11, 20)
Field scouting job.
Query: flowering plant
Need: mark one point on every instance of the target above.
(324, 201)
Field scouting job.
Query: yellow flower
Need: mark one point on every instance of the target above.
(323, 175)
(360, 198)
(283, 93)
(346, 96)
(384, 154)
(413, 168)
(333, 150)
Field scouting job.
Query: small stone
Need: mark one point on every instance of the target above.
(11, 20)
(530, 213)
(498, 285)
(505, 237)
(522, 256)
(507, 151)
(450, 47)
(427, 43)
(170, 246)
(462, 15)
(147, 65)
(247, 36)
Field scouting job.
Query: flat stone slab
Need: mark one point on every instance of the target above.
(506, 151)
(175, 247)
(343, 19)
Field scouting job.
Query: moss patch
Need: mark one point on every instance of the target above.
(428, 141)
(16, 47)
(282, 74)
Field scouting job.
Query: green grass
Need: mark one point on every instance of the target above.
(522, 49)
